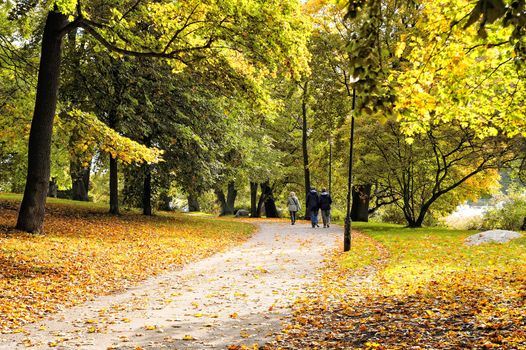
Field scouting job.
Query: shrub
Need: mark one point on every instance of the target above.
(507, 214)
(390, 214)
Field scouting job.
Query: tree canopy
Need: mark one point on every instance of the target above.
(218, 99)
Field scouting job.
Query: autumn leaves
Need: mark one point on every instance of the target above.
(87, 253)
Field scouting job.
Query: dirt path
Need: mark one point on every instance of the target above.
(236, 297)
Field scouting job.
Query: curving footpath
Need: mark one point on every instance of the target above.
(237, 297)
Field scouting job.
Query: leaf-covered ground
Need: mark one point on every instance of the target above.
(415, 289)
(86, 252)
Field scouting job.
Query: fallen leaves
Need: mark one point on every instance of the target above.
(86, 253)
(424, 290)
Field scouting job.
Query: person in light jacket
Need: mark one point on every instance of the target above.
(294, 206)
(325, 206)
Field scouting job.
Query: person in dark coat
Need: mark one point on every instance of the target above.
(313, 205)
(325, 206)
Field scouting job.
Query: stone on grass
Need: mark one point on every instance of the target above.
(492, 236)
(242, 212)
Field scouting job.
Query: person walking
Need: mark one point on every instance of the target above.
(325, 206)
(294, 206)
(313, 205)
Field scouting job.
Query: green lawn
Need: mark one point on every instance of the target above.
(424, 289)
(419, 256)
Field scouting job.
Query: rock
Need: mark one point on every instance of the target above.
(242, 213)
(492, 236)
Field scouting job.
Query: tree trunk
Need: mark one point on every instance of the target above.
(32, 209)
(361, 194)
(222, 201)
(79, 181)
(231, 197)
(165, 201)
(261, 202)
(114, 172)
(253, 200)
(421, 216)
(409, 218)
(330, 164)
(114, 187)
(193, 202)
(147, 192)
(306, 170)
(414, 224)
(270, 205)
(53, 188)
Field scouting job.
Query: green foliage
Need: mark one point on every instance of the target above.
(391, 214)
(506, 212)
(437, 171)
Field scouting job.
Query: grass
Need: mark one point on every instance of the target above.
(425, 290)
(363, 253)
(85, 252)
(421, 256)
(16, 197)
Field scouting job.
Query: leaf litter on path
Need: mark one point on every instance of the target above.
(141, 317)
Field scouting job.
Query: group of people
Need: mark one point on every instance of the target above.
(315, 202)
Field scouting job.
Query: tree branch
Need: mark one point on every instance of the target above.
(175, 54)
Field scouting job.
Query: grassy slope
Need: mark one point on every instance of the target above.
(86, 252)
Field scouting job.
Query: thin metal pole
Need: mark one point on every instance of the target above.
(330, 163)
(347, 228)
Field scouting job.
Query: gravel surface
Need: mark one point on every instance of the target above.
(492, 236)
(237, 297)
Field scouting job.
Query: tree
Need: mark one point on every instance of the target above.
(448, 73)
(243, 31)
(438, 163)
(361, 195)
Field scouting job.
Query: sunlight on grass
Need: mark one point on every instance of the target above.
(427, 258)
(434, 266)
(362, 254)
(16, 197)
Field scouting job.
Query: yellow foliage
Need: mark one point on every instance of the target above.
(94, 134)
(455, 75)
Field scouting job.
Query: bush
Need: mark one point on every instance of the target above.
(337, 214)
(389, 214)
(507, 214)
(393, 214)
